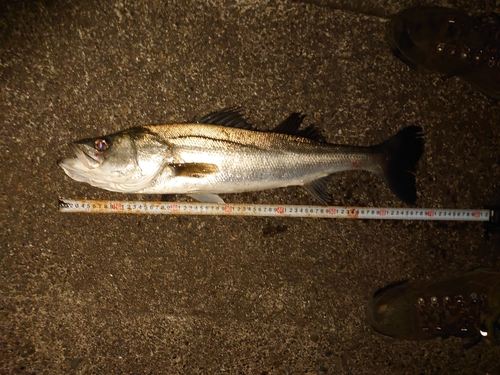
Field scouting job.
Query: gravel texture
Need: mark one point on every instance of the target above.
(109, 294)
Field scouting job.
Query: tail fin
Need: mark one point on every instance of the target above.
(400, 155)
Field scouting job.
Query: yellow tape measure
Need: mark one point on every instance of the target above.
(270, 210)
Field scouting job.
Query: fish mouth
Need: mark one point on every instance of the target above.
(88, 160)
(79, 167)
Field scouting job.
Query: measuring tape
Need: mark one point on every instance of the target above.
(270, 210)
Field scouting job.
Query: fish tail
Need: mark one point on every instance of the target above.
(399, 157)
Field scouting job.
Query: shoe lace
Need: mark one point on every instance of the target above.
(454, 316)
(490, 28)
(485, 31)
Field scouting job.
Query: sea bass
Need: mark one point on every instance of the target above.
(221, 153)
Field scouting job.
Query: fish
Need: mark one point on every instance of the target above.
(449, 42)
(222, 153)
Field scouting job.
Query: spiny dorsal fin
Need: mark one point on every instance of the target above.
(227, 117)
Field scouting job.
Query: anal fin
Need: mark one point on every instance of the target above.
(317, 189)
(207, 198)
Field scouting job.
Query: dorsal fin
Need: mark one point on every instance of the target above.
(313, 133)
(227, 117)
(292, 124)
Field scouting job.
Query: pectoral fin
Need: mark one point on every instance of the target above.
(207, 198)
(195, 170)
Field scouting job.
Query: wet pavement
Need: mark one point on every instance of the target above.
(112, 294)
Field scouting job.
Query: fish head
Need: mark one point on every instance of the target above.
(125, 162)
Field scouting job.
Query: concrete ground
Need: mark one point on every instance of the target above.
(109, 294)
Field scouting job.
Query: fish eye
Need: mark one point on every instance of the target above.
(102, 144)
